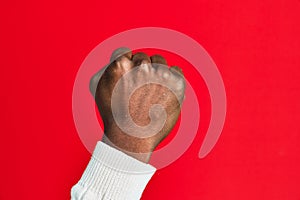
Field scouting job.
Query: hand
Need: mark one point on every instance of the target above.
(139, 99)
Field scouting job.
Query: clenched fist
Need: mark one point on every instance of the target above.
(139, 98)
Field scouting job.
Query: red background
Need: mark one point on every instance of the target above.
(255, 44)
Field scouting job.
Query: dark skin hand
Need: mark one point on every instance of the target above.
(165, 87)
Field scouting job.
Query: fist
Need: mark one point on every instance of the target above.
(139, 99)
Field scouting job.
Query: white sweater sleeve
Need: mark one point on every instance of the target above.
(112, 174)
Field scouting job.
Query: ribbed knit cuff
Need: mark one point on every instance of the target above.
(112, 174)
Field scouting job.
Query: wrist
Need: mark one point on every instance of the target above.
(138, 148)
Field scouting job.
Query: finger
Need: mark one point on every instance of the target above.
(95, 80)
(124, 64)
(158, 59)
(140, 58)
(179, 85)
(123, 51)
(120, 63)
(176, 70)
(162, 71)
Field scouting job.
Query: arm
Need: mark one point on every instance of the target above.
(111, 174)
(126, 94)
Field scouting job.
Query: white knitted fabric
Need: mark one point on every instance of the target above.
(112, 174)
